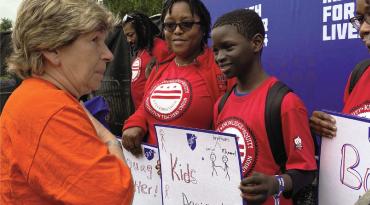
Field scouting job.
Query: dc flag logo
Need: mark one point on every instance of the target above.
(149, 153)
(192, 141)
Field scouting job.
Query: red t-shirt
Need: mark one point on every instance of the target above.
(138, 66)
(179, 97)
(194, 85)
(358, 102)
(244, 116)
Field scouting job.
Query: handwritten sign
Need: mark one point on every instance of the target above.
(345, 161)
(146, 180)
(198, 167)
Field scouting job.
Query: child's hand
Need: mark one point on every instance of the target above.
(256, 188)
(158, 167)
(323, 124)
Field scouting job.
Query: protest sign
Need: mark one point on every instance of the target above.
(345, 161)
(146, 180)
(198, 166)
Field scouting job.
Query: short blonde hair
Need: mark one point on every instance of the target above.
(48, 25)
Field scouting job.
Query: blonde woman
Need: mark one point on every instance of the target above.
(52, 150)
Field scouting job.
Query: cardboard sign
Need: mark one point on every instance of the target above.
(146, 180)
(198, 166)
(345, 161)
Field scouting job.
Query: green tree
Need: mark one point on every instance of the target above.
(122, 7)
(6, 24)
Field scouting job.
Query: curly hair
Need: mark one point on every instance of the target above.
(48, 25)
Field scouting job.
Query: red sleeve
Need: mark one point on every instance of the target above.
(138, 119)
(297, 136)
(160, 50)
(73, 166)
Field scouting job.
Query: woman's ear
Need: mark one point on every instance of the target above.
(257, 42)
(51, 57)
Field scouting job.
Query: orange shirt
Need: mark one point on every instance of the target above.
(50, 152)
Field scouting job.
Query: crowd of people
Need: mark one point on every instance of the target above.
(53, 151)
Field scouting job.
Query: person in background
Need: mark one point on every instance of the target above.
(237, 45)
(356, 102)
(182, 90)
(147, 49)
(52, 150)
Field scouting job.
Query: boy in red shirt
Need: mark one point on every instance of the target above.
(238, 40)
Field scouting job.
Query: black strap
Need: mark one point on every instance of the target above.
(273, 122)
(357, 72)
(224, 98)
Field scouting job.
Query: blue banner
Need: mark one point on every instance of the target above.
(309, 44)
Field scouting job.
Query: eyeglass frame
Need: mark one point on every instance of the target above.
(183, 25)
(358, 20)
(126, 18)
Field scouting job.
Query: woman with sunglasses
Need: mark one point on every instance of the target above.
(145, 47)
(182, 90)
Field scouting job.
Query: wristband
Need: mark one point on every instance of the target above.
(280, 180)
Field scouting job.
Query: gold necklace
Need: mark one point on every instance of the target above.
(184, 64)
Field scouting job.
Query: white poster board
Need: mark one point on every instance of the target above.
(146, 180)
(198, 166)
(345, 161)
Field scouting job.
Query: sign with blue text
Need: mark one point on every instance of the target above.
(198, 166)
(345, 161)
(146, 180)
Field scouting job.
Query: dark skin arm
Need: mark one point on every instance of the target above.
(323, 124)
(258, 187)
(132, 139)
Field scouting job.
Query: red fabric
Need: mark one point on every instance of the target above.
(244, 116)
(209, 83)
(50, 153)
(138, 66)
(358, 102)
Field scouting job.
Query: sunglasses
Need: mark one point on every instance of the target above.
(184, 25)
(127, 18)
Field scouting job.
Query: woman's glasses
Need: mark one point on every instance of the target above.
(184, 25)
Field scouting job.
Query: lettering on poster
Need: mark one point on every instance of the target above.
(335, 17)
(258, 9)
(349, 175)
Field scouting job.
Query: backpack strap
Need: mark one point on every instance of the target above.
(224, 98)
(273, 122)
(357, 72)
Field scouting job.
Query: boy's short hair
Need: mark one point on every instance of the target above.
(246, 21)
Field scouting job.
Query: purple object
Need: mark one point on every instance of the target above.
(99, 108)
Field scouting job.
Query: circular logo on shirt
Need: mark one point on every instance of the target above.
(135, 69)
(246, 141)
(169, 99)
(362, 110)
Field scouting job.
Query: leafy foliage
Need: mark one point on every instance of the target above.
(122, 7)
(5, 24)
